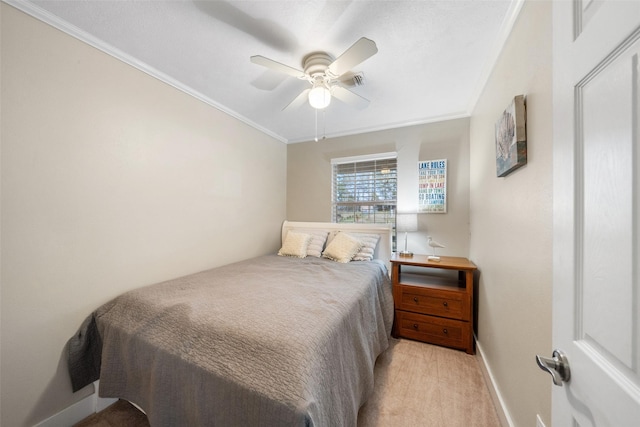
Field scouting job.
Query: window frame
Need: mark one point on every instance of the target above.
(379, 157)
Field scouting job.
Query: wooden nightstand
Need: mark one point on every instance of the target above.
(433, 303)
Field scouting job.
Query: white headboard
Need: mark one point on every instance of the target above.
(383, 250)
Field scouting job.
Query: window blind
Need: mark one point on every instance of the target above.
(365, 191)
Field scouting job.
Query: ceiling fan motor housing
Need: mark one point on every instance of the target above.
(316, 63)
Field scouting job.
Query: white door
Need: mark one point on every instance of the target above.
(596, 291)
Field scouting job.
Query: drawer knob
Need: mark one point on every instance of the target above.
(445, 331)
(446, 304)
(415, 326)
(415, 299)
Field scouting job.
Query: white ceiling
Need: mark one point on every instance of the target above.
(432, 60)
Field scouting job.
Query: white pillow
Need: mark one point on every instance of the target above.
(369, 243)
(342, 248)
(318, 239)
(295, 245)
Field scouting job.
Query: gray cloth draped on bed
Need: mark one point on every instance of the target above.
(271, 341)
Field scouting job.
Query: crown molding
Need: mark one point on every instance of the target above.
(503, 35)
(388, 126)
(50, 19)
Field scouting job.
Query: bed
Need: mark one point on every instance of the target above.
(271, 341)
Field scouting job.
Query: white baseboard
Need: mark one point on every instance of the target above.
(103, 402)
(496, 396)
(78, 411)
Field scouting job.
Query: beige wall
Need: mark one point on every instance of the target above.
(111, 180)
(511, 222)
(309, 177)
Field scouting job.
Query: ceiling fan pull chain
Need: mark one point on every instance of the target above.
(316, 112)
(324, 125)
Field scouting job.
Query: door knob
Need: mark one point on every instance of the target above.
(557, 366)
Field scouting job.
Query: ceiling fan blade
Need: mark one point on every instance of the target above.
(357, 53)
(277, 66)
(269, 80)
(298, 100)
(348, 97)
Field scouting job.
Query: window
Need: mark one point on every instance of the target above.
(364, 189)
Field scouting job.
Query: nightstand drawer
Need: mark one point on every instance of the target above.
(436, 302)
(434, 330)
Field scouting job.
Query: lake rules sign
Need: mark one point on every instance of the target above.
(432, 186)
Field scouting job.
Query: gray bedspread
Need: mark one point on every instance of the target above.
(271, 341)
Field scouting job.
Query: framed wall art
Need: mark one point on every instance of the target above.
(511, 138)
(432, 186)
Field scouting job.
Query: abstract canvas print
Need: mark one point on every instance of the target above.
(511, 138)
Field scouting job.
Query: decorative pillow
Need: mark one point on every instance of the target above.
(342, 248)
(295, 245)
(369, 243)
(318, 239)
(332, 235)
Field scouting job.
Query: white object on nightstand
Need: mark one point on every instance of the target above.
(434, 245)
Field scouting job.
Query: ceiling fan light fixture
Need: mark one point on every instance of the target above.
(319, 97)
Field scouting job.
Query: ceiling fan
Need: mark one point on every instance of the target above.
(326, 75)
